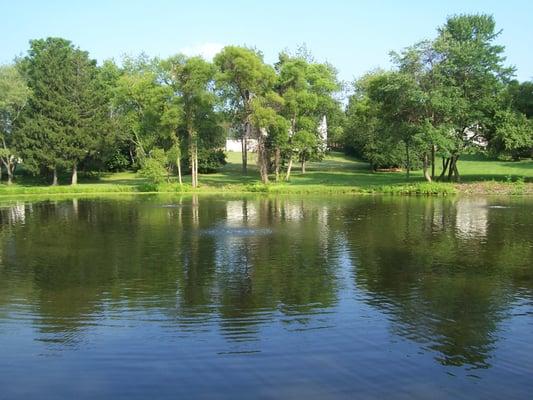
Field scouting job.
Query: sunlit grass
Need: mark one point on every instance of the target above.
(337, 173)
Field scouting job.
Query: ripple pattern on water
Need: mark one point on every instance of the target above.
(266, 298)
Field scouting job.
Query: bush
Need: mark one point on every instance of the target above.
(118, 162)
(153, 167)
(210, 160)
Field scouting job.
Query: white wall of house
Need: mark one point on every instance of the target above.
(235, 145)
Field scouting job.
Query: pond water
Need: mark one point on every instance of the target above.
(135, 297)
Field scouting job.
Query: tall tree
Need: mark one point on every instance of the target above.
(272, 129)
(472, 68)
(87, 109)
(170, 122)
(139, 102)
(365, 133)
(115, 148)
(447, 95)
(44, 121)
(192, 80)
(61, 120)
(435, 109)
(307, 90)
(14, 95)
(401, 105)
(242, 76)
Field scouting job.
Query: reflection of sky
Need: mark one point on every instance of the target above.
(472, 217)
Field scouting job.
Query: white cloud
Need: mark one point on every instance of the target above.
(206, 50)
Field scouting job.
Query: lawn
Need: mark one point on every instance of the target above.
(338, 170)
(336, 173)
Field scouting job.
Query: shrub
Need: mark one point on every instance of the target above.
(153, 167)
(210, 160)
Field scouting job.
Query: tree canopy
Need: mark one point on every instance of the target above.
(61, 111)
(445, 96)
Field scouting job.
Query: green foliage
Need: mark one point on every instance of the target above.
(117, 162)
(211, 160)
(472, 69)
(521, 97)
(140, 105)
(445, 97)
(191, 80)
(518, 184)
(246, 85)
(422, 188)
(305, 144)
(513, 134)
(66, 108)
(307, 91)
(336, 174)
(154, 167)
(242, 73)
(364, 136)
(14, 95)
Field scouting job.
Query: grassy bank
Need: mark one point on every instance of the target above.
(336, 174)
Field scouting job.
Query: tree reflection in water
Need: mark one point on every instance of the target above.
(445, 273)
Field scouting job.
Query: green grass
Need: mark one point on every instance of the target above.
(337, 173)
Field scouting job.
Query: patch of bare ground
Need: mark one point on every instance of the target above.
(496, 188)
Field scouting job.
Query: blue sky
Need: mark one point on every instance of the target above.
(355, 36)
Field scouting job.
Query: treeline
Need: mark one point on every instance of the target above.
(62, 112)
(444, 97)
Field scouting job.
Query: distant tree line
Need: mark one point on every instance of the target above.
(62, 112)
(444, 97)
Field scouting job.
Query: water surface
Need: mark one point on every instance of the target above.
(134, 297)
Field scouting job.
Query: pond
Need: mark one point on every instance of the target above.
(135, 297)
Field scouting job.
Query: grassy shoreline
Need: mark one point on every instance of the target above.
(337, 174)
(417, 188)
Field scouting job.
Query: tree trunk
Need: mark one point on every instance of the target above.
(289, 167)
(178, 165)
(195, 158)
(456, 170)
(244, 146)
(132, 157)
(277, 158)
(407, 160)
(303, 166)
(193, 153)
(74, 180)
(193, 179)
(450, 168)
(54, 179)
(453, 172)
(263, 161)
(433, 151)
(425, 167)
(9, 170)
(445, 162)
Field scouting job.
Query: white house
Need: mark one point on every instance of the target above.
(236, 145)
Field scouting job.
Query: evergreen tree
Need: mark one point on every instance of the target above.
(60, 124)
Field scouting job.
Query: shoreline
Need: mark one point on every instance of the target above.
(434, 189)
